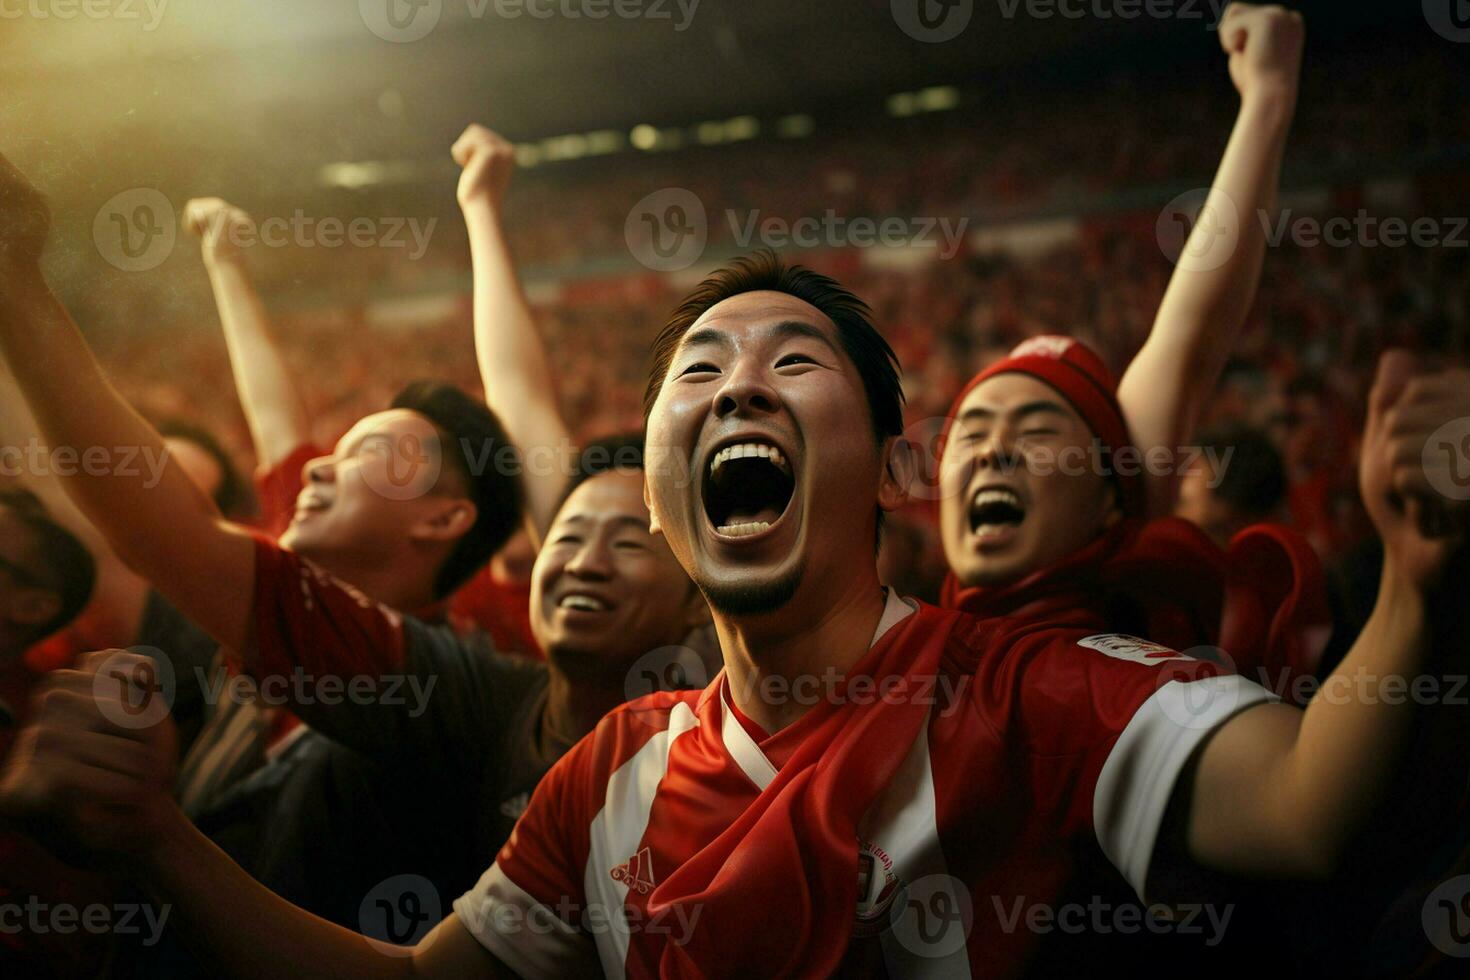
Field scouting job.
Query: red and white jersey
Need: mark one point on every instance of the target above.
(1035, 742)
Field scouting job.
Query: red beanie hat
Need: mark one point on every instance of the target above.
(1074, 370)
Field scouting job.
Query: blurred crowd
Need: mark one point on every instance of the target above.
(1103, 166)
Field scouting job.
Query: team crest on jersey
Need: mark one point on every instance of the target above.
(1121, 646)
(636, 872)
(877, 885)
(1047, 345)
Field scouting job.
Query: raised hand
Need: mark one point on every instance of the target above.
(96, 760)
(1265, 49)
(220, 227)
(488, 160)
(1421, 527)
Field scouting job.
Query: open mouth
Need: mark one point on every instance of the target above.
(582, 603)
(994, 510)
(747, 488)
(309, 505)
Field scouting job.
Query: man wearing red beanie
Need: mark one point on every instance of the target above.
(1050, 470)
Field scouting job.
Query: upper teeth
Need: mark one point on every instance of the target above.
(583, 602)
(985, 497)
(746, 450)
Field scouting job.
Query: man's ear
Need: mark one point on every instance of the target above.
(653, 527)
(901, 466)
(35, 606)
(452, 519)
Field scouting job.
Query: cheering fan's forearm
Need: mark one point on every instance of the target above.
(152, 514)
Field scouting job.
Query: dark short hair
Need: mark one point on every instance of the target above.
(1253, 481)
(471, 442)
(623, 451)
(232, 496)
(874, 359)
(65, 566)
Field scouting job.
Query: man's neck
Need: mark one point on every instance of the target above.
(774, 662)
(389, 583)
(573, 708)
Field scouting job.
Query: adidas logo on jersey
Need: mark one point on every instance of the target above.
(636, 872)
(516, 805)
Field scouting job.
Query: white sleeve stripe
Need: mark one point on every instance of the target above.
(1137, 781)
(522, 933)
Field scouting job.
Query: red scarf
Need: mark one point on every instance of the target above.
(784, 874)
(1264, 601)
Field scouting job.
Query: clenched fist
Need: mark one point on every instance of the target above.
(220, 227)
(1265, 49)
(96, 760)
(1420, 527)
(488, 160)
(25, 220)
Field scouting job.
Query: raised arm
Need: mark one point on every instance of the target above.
(274, 409)
(104, 785)
(155, 518)
(1214, 285)
(1284, 792)
(115, 613)
(512, 357)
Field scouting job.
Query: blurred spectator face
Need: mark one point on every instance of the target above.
(1021, 485)
(1244, 484)
(200, 466)
(1199, 505)
(26, 604)
(384, 489)
(604, 590)
(512, 564)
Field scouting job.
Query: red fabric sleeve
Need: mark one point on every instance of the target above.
(1072, 694)
(278, 486)
(306, 619)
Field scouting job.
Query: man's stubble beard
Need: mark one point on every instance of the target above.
(750, 600)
